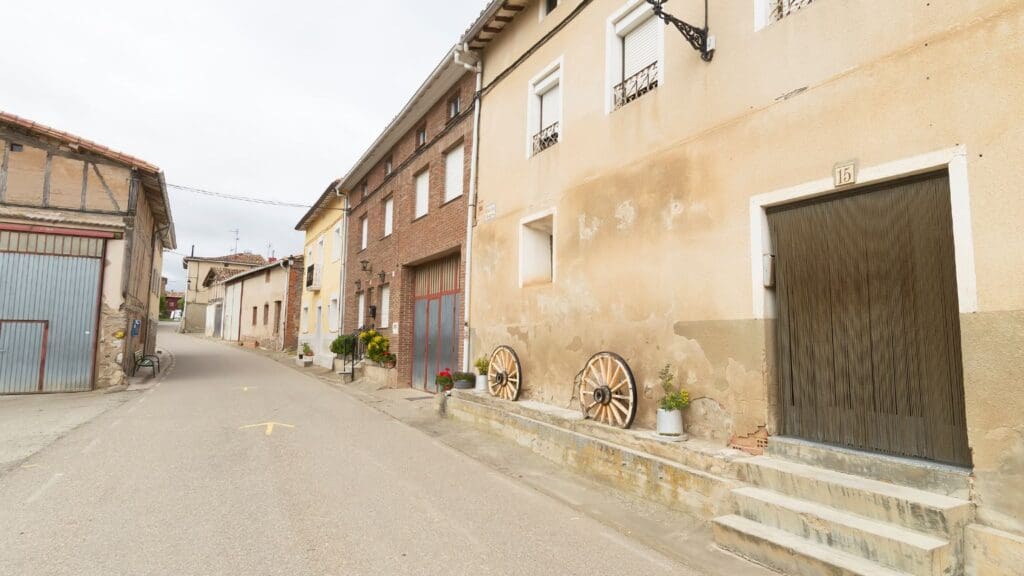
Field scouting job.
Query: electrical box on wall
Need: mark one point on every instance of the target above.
(768, 270)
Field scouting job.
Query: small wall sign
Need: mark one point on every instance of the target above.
(490, 211)
(136, 325)
(844, 173)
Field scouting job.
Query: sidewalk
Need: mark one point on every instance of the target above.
(683, 537)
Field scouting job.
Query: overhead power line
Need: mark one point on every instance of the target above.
(238, 198)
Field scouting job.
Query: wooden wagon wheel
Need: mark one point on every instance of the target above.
(504, 375)
(608, 391)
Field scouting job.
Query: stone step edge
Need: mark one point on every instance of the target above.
(795, 546)
(924, 542)
(859, 483)
(934, 477)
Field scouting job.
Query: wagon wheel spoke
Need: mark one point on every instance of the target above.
(607, 390)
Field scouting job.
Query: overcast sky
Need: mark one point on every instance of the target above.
(260, 98)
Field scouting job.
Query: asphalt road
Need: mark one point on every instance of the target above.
(171, 483)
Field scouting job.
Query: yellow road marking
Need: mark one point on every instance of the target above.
(269, 426)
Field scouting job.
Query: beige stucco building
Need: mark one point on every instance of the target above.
(259, 307)
(82, 233)
(668, 216)
(197, 295)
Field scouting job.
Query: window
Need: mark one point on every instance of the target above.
(362, 310)
(266, 277)
(364, 232)
(254, 311)
(277, 317)
(454, 169)
(332, 314)
(422, 193)
(266, 314)
(544, 113)
(365, 188)
(385, 306)
(305, 319)
(389, 216)
(546, 6)
(454, 107)
(372, 310)
(388, 167)
(15, 147)
(336, 243)
(536, 250)
(770, 11)
(421, 136)
(635, 51)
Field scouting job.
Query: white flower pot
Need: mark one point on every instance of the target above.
(481, 382)
(670, 422)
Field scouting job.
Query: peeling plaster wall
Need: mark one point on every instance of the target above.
(652, 202)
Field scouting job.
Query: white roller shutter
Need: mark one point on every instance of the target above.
(385, 307)
(640, 47)
(422, 193)
(389, 216)
(551, 106)
(453, 170)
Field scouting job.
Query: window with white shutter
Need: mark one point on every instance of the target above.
(385, 306)
(454, 168)
(640, 47)
(422, 193)
(544, 116)
(635, 53)
(389, 216)
(362, 310)
(364, 234)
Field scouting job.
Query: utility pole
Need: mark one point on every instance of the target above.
(270, 250)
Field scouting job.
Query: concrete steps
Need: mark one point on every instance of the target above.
(789, 553)
(879, 542)
(913, 473)
(809, 520)
(909, 507)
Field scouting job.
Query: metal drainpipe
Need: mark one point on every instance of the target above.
(478, 67)
(344, 257)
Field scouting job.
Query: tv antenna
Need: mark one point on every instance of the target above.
(236, 231)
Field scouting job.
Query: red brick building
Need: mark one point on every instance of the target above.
(405, 257)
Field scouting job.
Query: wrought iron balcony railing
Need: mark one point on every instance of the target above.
(313, 278)
(545, 139)
(636, 86)
(783, 8)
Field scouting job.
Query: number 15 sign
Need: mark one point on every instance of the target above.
(844, 173)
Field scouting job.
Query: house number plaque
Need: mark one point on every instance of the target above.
(844, 173)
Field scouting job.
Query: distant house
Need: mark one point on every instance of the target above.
(197, 295)
(258, 306)
(82, 234)
(174, 302)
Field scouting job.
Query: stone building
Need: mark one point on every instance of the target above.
(82, 234)
(402, 258)
(196, 293)
(817, 226)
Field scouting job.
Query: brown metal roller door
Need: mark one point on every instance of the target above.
(868, 326)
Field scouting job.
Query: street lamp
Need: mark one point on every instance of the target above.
(697, 37)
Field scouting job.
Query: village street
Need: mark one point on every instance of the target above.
(171, 482)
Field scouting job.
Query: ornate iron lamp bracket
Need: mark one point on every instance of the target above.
(697, 37)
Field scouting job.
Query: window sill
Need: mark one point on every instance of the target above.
(418, 218)
(447, 202)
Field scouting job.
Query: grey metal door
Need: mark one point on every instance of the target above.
(435, 321)
(868, 325)
(49, 301)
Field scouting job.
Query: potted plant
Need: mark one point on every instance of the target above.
(443, 380)
(343, 345)
(306, 350)
(670, 416)
(390, 360)
(378, 349)
(464, 380)
(482, 365)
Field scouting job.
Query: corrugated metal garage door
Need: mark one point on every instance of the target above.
(49, 298)
(435, 321)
